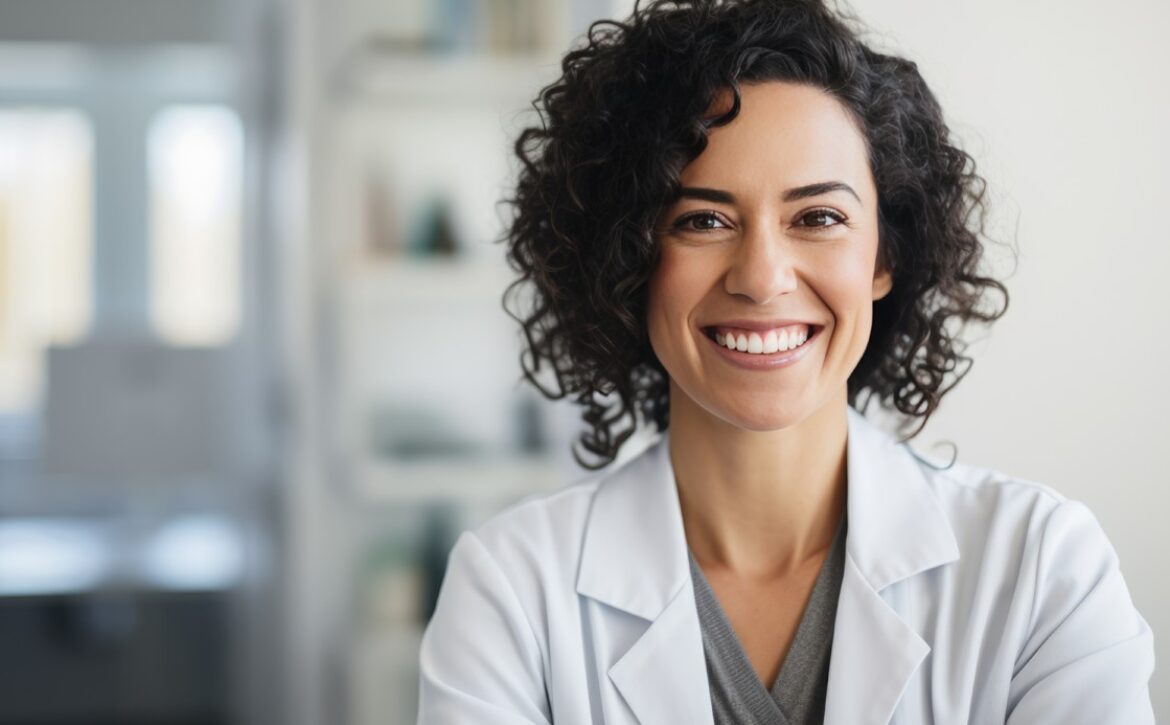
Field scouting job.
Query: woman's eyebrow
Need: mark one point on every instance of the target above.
(797, 192)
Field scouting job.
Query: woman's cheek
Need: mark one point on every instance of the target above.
(675, 291)
(675, 283)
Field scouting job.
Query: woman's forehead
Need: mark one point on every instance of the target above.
(785, 133)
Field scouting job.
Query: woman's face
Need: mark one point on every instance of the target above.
(752, 242)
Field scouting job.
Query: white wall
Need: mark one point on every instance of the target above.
(1065, 105)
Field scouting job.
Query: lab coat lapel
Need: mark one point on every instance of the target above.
(896, 529)
(635, 560)
(663, 676)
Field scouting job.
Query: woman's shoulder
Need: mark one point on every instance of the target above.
(983, 503)
(1030, 521)
(554, 522)
(539, 519)
(975, 490)
(536, 541)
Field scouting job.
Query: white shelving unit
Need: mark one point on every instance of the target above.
(421, 344)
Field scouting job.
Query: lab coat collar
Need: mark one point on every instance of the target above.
(635, 559)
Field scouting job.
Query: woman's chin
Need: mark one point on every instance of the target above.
(763, 418)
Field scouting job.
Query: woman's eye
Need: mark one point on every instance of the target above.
(821, 218)
(703, 219)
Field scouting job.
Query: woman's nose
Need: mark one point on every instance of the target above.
(762, 266)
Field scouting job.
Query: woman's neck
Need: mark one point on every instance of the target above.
(758, 504)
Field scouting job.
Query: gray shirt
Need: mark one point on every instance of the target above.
(798, 694)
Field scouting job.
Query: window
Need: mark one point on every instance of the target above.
(46, 232)
(195, 157)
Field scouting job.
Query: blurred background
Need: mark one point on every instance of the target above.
(255, 375)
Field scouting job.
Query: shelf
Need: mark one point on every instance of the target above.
(456, 80)
(422, 280)
(473, 480)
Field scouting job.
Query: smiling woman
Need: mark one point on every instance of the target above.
(748, 224)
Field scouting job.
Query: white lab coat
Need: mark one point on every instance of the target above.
(968, 597)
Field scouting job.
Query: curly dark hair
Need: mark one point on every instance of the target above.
(630, 111)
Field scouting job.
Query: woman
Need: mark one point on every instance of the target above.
(739, 215)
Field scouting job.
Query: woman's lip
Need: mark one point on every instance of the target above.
(771, 361)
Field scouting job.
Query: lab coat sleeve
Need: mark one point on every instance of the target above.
(1088, 655)
(479, 661)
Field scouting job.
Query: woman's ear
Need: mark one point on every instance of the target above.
(883, 282)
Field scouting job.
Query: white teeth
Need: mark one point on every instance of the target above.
(770, 343)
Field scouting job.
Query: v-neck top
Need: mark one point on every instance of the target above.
(738, 697)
